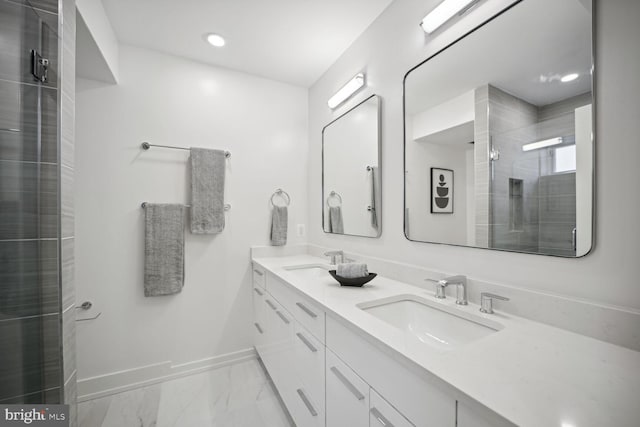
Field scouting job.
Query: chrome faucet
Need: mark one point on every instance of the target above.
(461, 291)
(337, 257)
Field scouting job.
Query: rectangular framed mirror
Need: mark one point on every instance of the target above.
(351, 193)
(504, 117)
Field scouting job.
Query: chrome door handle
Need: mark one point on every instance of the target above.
(306, 310)
(347, 383)
(259, 328)
(307, 342)
(306, 402)
(258, 291)
(284, 319)
(381, 418)
(270, 304)
(258, 272)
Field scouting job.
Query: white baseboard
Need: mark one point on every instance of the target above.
(116, 382)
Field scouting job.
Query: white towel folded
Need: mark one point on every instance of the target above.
(352, 270)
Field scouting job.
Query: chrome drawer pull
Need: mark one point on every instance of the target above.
(347, 383)
(307, 342)
(306, 402)
(258, 328)
(284, 319)
(258, 291)
(258, 272)
(270, 304)
(306, 310)
(381, 418)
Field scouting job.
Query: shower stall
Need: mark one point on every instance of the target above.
(37, 304)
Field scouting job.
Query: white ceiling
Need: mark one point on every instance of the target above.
(293, 41)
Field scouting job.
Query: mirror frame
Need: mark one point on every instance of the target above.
(593, 136)
(379, 131)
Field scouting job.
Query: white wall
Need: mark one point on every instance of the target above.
(424, 225)
(167, 100)
(97, 40)
(394, 44)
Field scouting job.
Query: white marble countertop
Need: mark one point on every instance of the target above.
(529, 373)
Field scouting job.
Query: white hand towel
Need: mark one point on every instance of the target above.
(352, 270)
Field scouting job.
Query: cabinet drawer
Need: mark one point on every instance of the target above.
(347, 395)
(259, 276)
(259, 323)
(309, 356)
(423, 403)
(277, 350)
(382, 414)
(304, 409)
(308, 313)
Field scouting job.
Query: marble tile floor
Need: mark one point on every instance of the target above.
(238, 395)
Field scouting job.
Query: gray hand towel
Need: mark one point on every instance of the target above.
(279, 223)
(207, 191)
(163, 249)
(351, 270)
(335, 220)
(374, 189)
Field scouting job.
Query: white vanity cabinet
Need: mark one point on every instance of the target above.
(292, 348)
(259, 318)
(347, 395)
(416, 400)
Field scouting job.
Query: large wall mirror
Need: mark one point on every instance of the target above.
(351, 172)
(499, 134)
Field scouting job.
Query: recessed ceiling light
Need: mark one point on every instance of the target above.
(215, 40)
(569, 77)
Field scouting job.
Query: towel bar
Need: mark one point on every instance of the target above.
(227, 207)
(146, 146)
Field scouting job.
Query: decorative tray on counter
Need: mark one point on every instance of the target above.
(356, 281)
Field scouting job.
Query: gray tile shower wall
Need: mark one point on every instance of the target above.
(66, 96)
(21, 30)
(36, 204)
(28, 278)
(19, 123)
(33, 364)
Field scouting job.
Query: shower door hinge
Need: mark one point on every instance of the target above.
(494, 154)
(39, 66)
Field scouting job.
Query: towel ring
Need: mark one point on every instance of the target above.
(283, 194)
(336, 195)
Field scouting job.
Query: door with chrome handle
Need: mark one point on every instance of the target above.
(345, 381)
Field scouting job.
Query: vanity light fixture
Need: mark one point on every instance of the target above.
(352, 86)
(215, 40)
(443, 12)
(569, 77)
(542, 144)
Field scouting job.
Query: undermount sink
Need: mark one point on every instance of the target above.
(309, 270)
(435, 325)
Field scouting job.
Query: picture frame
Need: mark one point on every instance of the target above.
(442, 190)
